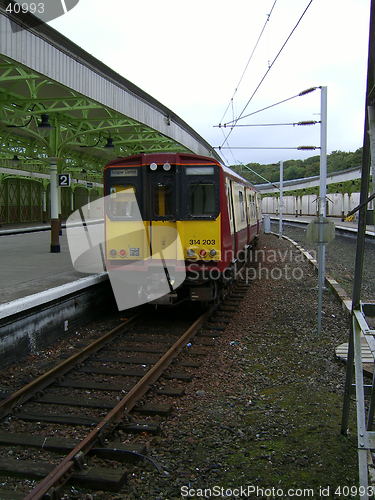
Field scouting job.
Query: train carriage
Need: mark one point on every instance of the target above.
(181, 213)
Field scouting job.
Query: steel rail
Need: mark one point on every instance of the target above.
(43, 381)
(65, 469)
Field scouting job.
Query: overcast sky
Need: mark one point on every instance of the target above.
(190, 56)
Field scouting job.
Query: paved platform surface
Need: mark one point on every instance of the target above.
(26, 264)
(352, 226)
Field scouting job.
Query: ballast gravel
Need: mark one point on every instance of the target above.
(262, 416)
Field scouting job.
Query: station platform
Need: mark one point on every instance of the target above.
(346, 225)
(27, 266)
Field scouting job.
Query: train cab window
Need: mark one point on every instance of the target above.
(123, 203)
(200, 192)
(201, 198)
(163, 200)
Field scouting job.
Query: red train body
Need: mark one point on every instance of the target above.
(214, 212)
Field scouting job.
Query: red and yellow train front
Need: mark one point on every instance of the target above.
(163, 211)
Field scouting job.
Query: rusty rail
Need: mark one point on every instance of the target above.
(40, 383)
(61, 474)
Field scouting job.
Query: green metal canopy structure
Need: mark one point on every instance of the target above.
(60, 106)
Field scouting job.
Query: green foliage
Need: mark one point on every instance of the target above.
(297, 169)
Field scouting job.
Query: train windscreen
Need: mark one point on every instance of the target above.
(202, 199)
(122, 201)
(202, 191)
(163, 199)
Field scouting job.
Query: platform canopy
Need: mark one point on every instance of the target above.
(59, 101)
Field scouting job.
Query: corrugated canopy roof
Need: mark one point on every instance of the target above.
(44, 73)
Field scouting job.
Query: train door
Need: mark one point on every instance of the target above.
(248, 213)
(254, 226)
(162, 212)
(124, 227)
(230, 206)
(232, 220)
(258, 211)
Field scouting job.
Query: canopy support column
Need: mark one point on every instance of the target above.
(55, 221)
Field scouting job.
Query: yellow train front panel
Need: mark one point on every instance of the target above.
(165, 241)
(127, 240)
(201, 239)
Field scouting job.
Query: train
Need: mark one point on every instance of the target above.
(177, 227)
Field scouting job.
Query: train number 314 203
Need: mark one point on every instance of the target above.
(204, 242)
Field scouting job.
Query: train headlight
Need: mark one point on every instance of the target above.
(213, 252)
(153, 166)
(202, 253)
(113, 252)
(167, 166)
(122, 253)
(190, 252)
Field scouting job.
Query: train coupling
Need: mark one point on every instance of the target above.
(158, 284)
(164, 300)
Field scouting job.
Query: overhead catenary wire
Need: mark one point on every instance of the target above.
(248, 62)
(266, 73)
(261, 176)
(307, 122)
(311, 122)
(253, 171)
(302, 93)
(299, 148)
(256, 173)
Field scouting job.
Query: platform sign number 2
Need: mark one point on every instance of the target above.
(64, 180)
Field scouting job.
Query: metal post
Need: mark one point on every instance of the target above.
(355, 350)
(322, 201)
(371, 120)
(59, 209)
(342, 205)
(55, 222)
(44, 206)
(323, 151)
(281, 199)
(88, 204)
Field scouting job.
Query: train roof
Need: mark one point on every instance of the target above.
(231, 173)
(179, 158)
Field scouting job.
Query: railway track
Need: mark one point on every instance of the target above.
(340, 257)
(98, 395)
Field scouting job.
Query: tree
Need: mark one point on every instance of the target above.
(296, 169)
